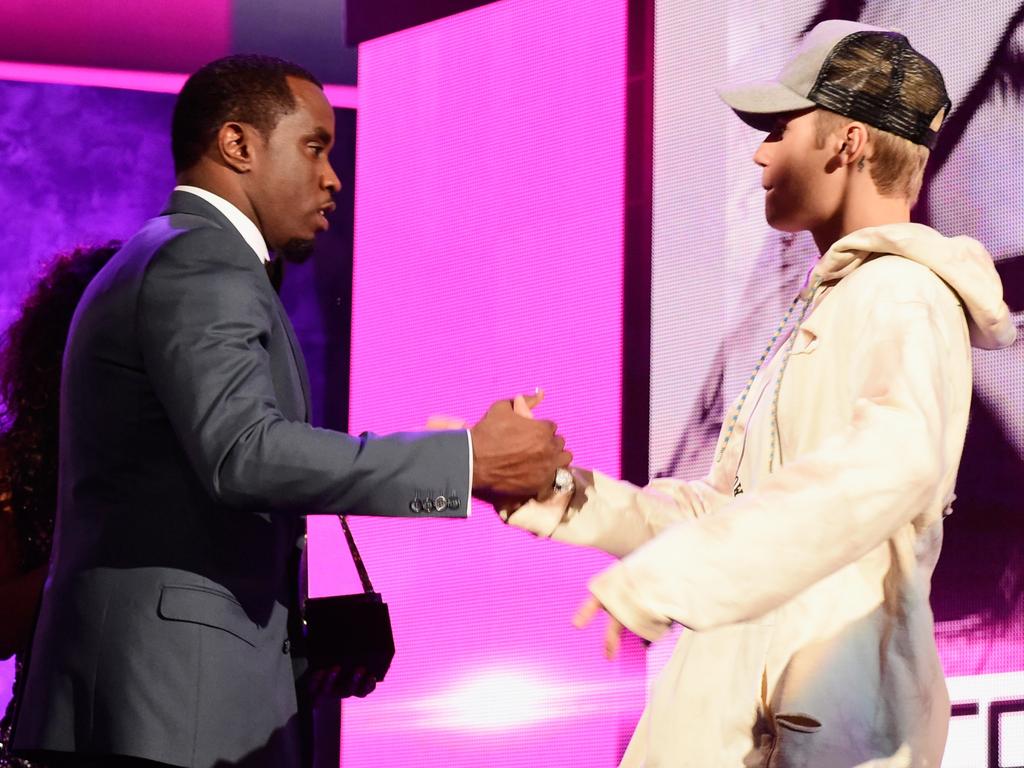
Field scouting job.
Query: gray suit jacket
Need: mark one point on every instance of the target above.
(186, 465)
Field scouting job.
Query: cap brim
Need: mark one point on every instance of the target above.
(757, 104)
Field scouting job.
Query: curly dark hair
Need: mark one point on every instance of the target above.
(31, 352)
(247, 88)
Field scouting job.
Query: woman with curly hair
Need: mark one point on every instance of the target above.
(30, 365)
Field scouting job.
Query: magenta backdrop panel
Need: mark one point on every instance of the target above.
(176, 36)
(488, 261)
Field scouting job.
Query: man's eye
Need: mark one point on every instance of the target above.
(317, 149)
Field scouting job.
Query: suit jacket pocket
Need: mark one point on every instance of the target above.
(198, 605)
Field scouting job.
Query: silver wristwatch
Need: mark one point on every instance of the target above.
(564, 482)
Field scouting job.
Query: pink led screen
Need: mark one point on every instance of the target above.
(488, 261)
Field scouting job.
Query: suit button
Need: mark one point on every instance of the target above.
(286, 646)
(428, 505)
(441, 503)
(453, 502)
(415, 506)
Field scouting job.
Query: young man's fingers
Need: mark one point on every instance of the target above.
(439, 422)
(532, 401)
(520, 408)
(586, 612)
(612, 638)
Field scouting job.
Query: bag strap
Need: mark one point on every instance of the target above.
(364, 577)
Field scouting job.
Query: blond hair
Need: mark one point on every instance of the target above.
(896, 164)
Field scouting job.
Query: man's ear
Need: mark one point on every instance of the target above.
(236, 145)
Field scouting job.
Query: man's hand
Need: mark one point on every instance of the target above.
(613, 632)
(336, 683)
(515, 456)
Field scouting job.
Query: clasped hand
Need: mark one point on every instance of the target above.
(515, 456)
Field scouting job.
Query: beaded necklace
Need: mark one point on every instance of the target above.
(810, 293)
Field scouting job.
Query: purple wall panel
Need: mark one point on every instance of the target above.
(79, 165)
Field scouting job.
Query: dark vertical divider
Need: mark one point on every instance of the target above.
(334, 278)
(636, 327)
(318, 294)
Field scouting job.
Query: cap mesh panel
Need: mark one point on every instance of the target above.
(877, 78)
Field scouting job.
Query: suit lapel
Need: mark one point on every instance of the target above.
(186, 202)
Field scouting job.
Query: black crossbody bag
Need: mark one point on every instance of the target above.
(350, 631)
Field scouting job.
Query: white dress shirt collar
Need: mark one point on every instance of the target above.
(245, 226)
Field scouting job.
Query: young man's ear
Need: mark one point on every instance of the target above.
(235, 145)
(854, 143)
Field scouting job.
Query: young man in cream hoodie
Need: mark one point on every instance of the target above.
(801, 563)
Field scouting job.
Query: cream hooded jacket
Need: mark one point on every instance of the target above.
(805, 595)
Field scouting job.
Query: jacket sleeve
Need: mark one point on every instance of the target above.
(204, 322)
(829, 507)
(616, 516)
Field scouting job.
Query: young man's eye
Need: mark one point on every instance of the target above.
(317, 149)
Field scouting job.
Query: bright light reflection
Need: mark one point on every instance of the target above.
(492, 700)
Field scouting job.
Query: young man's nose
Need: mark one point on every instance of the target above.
(761, 154)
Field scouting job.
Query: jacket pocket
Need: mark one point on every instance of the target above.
(199, 605)
(806, 341)
(796, 744)
(798, 722)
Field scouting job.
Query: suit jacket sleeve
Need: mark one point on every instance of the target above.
(204, 318)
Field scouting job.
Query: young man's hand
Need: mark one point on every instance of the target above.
(612, 633)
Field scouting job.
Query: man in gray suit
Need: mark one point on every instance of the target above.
(187, 459)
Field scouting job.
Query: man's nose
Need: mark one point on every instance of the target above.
(331, 182)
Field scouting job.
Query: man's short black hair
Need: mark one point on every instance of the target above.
(246, 88)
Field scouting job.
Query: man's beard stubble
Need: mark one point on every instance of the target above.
(296, 250)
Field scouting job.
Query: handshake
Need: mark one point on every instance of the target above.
(515, 457)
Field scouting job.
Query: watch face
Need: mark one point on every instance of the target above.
(564, 481)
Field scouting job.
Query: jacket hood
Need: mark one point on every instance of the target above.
(961, 262)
